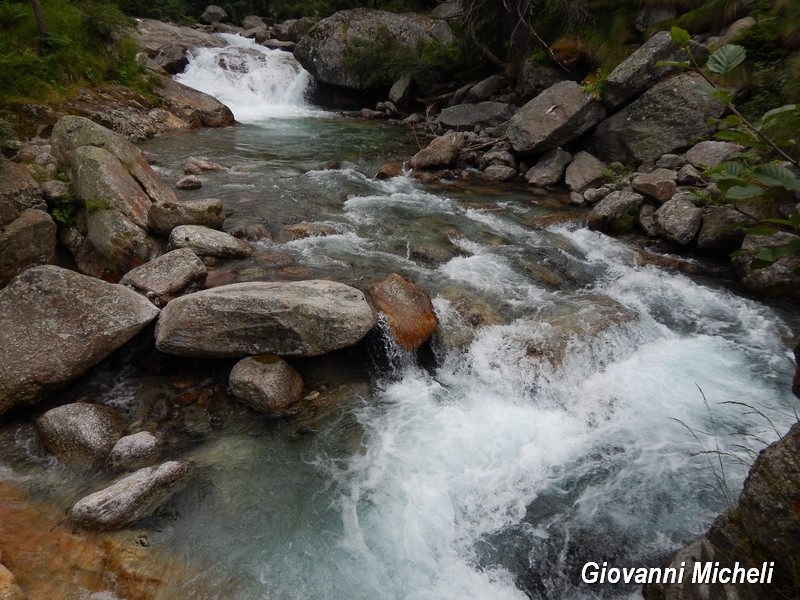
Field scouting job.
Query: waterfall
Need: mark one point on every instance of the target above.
(255, 82)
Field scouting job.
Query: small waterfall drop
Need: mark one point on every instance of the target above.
(255, 82)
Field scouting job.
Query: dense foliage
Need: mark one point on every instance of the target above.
(84, 47)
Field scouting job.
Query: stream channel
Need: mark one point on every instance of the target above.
(559, 416)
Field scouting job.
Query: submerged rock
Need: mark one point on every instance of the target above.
(131, 498)
(55, 324)
(304, 318)
(267, 383)
(80, 432)
(408, 309)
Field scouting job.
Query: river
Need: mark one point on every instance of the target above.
(575, 405)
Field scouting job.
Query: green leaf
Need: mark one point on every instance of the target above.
(740, 137)
(744, 192)
(680, 36)
(777, 176)
(778, 113)
(761, 230)
(725, 59)
(730, 167)
(723, 96)
(730, 121)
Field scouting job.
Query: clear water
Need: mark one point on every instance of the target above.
(563, 419)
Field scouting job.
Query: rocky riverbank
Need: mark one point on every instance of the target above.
(136, 253)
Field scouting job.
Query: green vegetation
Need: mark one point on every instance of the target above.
(769, 170)
(83, 48)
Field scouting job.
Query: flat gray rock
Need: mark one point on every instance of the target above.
(165, 277)
(304, 318)
(209, 242)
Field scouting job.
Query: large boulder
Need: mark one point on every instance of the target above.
(549, 169)
(27, 241)
(779, 279)
(18, 192)
(639, 72)
(213, 14)
(610, 213)
(80, 432)
(70, 133)
(710, 153)
(332, 48)
(102, 182)
(468, 116)
(267, 383)
(762, 528)
(408, 309)
(304, 318)
(660, 184)
(533, 78)
(483, 90)
(558, 115)
(585, 171)
(55, 324)
(720, 231)
(442, 152)
(132, 498)
(666, 118)
(678, 220)
(193, 106)
(167, 276)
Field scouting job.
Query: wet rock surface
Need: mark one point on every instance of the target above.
(131, 498)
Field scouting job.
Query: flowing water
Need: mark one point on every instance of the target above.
(561, 416)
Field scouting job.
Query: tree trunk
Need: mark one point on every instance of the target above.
(41, 24)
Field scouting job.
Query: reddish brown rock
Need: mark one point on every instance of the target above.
(389, 170)
(407, 308)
